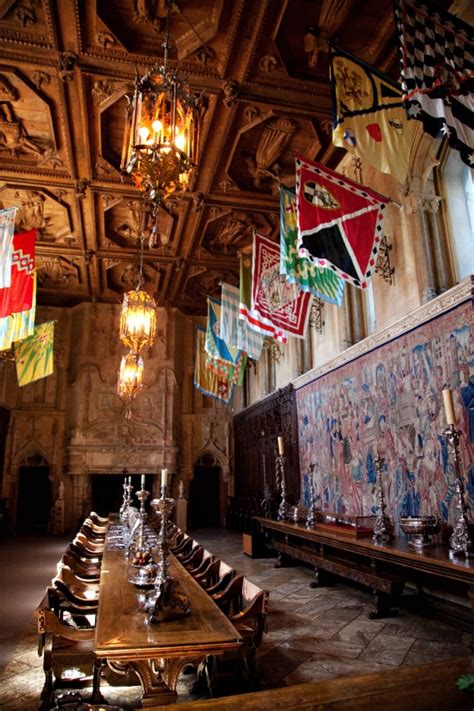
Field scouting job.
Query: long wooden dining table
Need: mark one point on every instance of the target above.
(156, 652)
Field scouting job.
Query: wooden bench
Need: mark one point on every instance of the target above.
(427, 687)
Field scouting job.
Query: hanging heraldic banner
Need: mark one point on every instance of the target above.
(340, 222)
(437, 73)
(275, 298)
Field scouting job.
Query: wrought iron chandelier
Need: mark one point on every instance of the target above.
(130, 380)
(138, 315)
(160, 150)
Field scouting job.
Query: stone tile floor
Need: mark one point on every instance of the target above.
(313, 634)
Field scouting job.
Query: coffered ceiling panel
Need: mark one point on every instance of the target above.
(66, 67)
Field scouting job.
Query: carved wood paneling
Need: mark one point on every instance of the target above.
(255, 435)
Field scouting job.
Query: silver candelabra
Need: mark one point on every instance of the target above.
(280, 462)
(383, 529)
(460, 539)
(165, 604)
(310, 518)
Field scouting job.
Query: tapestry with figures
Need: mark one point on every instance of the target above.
(389, 401)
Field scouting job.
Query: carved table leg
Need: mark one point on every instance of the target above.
(383, 606)
(155, 691)
(323, 578)
(97, 697)
(284, 561)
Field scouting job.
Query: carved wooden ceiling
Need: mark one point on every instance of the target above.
(65, 68)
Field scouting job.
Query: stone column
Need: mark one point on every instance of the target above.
(419, 229)
(441, 265)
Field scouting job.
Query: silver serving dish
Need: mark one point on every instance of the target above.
(420, 529)
(144, 577)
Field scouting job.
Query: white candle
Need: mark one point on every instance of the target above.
(143, 481)
(130, 481)
(164, 478)
(281, 446)
(449, 406)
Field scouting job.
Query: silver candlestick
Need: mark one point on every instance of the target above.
(383, 529)
(139, 543)
(460, 539)
(310, 518)
(166, 604)
(280, 461)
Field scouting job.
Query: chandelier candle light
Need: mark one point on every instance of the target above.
(160, 150)
(130, 380)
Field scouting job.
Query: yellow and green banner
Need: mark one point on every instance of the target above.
(34, 355)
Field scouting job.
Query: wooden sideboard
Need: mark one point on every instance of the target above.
(383, 567)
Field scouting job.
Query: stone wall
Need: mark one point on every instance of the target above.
(76, 422)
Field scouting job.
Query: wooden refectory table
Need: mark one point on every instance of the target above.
(383, 567)
(156, 651)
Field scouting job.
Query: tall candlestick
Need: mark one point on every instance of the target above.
(448, 406)
(164, 478)
(142, 485)
(281, 446)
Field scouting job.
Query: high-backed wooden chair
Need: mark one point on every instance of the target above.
(64, 648)
(76, 585)
(206, 558)
(216, 577)
(89, 545)
(78, 547)
(246, 606)
(194, 559)
(99, 520)
(86, 570)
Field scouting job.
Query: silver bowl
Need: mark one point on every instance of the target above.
(420, 529)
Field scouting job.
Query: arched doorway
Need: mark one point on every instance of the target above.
(34, 501)
(205, 493)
